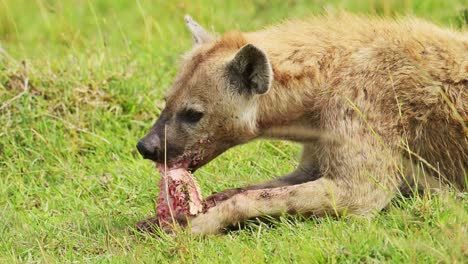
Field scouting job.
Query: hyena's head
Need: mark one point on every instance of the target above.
(213, 102)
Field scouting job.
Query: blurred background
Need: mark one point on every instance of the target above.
(29, 27)
(82, 80)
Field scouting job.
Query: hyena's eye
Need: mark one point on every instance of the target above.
(190, 115)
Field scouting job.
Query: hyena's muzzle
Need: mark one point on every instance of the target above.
(159, 145)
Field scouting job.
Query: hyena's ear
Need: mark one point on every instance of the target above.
(250, 71)
(199, 34)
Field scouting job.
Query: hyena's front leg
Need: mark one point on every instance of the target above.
(319, 197)
(300, 175)
(308, 170)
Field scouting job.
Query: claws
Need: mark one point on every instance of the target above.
(150, 225)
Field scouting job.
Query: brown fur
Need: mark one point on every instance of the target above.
(394, 92)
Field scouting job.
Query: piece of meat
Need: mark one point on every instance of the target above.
(179, 196)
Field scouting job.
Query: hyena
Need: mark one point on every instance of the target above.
(388, 96)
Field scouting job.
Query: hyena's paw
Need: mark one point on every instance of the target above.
(152, 225)
(206, 224)
(216, 198)
(149, 225)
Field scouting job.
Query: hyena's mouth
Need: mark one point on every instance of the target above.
(193, 158)
(190, 160)
(184, 164)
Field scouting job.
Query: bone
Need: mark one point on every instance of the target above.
(179, 196)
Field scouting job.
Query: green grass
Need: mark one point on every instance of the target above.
(72, 184)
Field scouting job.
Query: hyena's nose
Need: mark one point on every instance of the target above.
(149, 148)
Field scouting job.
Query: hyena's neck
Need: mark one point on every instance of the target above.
(295, 96)
(301, 70)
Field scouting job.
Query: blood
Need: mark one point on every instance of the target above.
(179, 195)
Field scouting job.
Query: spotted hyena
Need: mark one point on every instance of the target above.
(374, 102)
